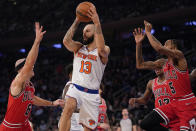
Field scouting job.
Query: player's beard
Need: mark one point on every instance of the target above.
(89, 40)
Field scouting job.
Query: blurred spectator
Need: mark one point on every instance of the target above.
(125, 122)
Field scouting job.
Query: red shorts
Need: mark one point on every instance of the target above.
(6, 127)
(182, 109)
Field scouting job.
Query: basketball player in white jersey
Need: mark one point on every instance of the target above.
(88, 68)
(75, 126)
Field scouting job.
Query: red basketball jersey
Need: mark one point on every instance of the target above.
(102, 114)
(161, 92)
(178, 81)
(19, 107)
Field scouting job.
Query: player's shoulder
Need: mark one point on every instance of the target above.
(161, 60)
(107, 49)
(79, 46)
(150, 83)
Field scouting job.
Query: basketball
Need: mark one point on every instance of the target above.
(82, 10)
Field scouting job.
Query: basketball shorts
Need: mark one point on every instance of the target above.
(9, 127)
(182, 109)
(88, 103)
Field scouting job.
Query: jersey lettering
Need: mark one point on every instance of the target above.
(27, 96)
(84, 56)
(161, 92)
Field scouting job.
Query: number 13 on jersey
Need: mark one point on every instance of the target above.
(85, 67)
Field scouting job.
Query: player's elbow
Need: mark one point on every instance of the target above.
(145, 101)
(65, 41)
(159, 48)
(139, 66)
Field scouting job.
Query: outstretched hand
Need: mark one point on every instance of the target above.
(60, 102)
(148, 26)
(39, 32)
(138, 35)
(132, 101)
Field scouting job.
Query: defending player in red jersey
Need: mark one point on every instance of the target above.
(160, 89)
(21, 92)
(103, 122)
(183, 104)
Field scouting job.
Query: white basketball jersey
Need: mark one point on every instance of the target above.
(87, 68)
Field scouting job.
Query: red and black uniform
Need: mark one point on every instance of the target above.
(183, 104)
(102, 114)
(18, 110)
(162, 97)
(161, 93)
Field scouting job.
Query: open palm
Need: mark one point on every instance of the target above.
(138, 35)
(39, 31)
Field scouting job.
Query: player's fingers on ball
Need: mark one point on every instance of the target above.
(92, 11)
(89, 12)
(93, 7)
(90, 16)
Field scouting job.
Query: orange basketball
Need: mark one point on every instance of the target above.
(82, 10)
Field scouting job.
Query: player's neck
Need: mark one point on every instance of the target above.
(91, 46)
(161, 78)
(170, 60)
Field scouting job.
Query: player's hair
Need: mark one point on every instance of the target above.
(19, 64)
(69, 69)
(175, 42)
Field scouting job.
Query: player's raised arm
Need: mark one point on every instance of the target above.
(158, 46)
(26, 72)
(33, 53)
(103, 50)
(144, 99)
(140, 63)
(68, 41)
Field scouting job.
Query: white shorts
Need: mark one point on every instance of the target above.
(88, 105)
(75, 126)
